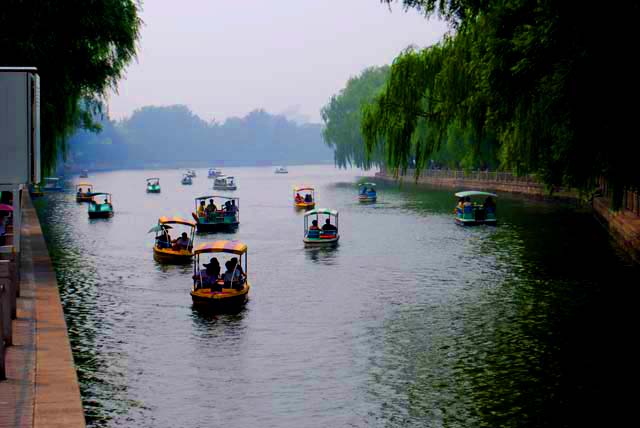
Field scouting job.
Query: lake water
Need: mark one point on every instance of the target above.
(411, 321)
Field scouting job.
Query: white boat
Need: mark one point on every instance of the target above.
(214, 172)
(281, 170)
(84, 173)
(191, 173)
(186, 179)
(225, 182)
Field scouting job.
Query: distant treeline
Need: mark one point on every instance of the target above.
(174, 136)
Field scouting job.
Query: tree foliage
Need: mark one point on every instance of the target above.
(81, 49)
(547, 82)
(342, 116)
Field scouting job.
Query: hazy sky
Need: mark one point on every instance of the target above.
(224, 58)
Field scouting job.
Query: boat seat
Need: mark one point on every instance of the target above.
(313, 234)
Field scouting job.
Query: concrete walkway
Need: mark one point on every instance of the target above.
(42, 387)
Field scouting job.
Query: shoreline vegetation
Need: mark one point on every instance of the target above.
(173, 136)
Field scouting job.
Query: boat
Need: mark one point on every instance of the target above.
(84, 192)
(84, 173)
(35, 190)
(186, 179)
(224, 182)
(318, 232)
(101, 205)
(164, 250)
(53, 184)
(469, 212)
(153, 185)
(367, 193)
(214, 172)
(191, 173)
(308, 201)
(216, 292)
(281, 170)
(226, 216)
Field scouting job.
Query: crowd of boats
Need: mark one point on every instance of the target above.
(220, 213)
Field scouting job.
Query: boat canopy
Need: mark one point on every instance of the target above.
(317, 211)
(367, 184)
(176, 220)
(52, 179)
(298, 189)
(474, 193)
(108, 195)
(234, 247)
(202, 198)
(84, 185)
(152, 179)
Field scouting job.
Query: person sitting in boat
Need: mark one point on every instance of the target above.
(308, 198)
(211, 274)
(489, 204)
(80, 191)
(238, 274)
(364, 190)
(211, 209)
(164, 240)
(202, 210)
(182, 243)
(328, 227)
(299, 198)
(233, 208)
(314, 230)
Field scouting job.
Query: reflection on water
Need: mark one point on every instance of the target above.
(323, 254)
(411, 321)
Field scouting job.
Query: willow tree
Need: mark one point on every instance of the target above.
(342, 116)
(550, 83)
(81, 49)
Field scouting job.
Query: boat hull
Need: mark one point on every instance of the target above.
(216, 227)
(367, 199)
(225, 187)
(305, 205)
(100, 214)
(169, 256)
(316, 242)
(473, 222)
(86, 198)
(227, 298)
(153, 189)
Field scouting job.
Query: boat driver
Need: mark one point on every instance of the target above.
(328, 227)
(182, 243)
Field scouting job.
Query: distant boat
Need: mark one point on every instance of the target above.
(153, 185)
(225, 183)
(53, 184)
(186, 179)
(281, 170)
(214, 172)
(191, 173)
(84, 173)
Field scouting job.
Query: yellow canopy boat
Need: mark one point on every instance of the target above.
(232, 288)
(84, 192)
(306, 201)
(173, 251)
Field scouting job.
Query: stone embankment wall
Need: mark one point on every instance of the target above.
(480, 180)
(623, 226)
